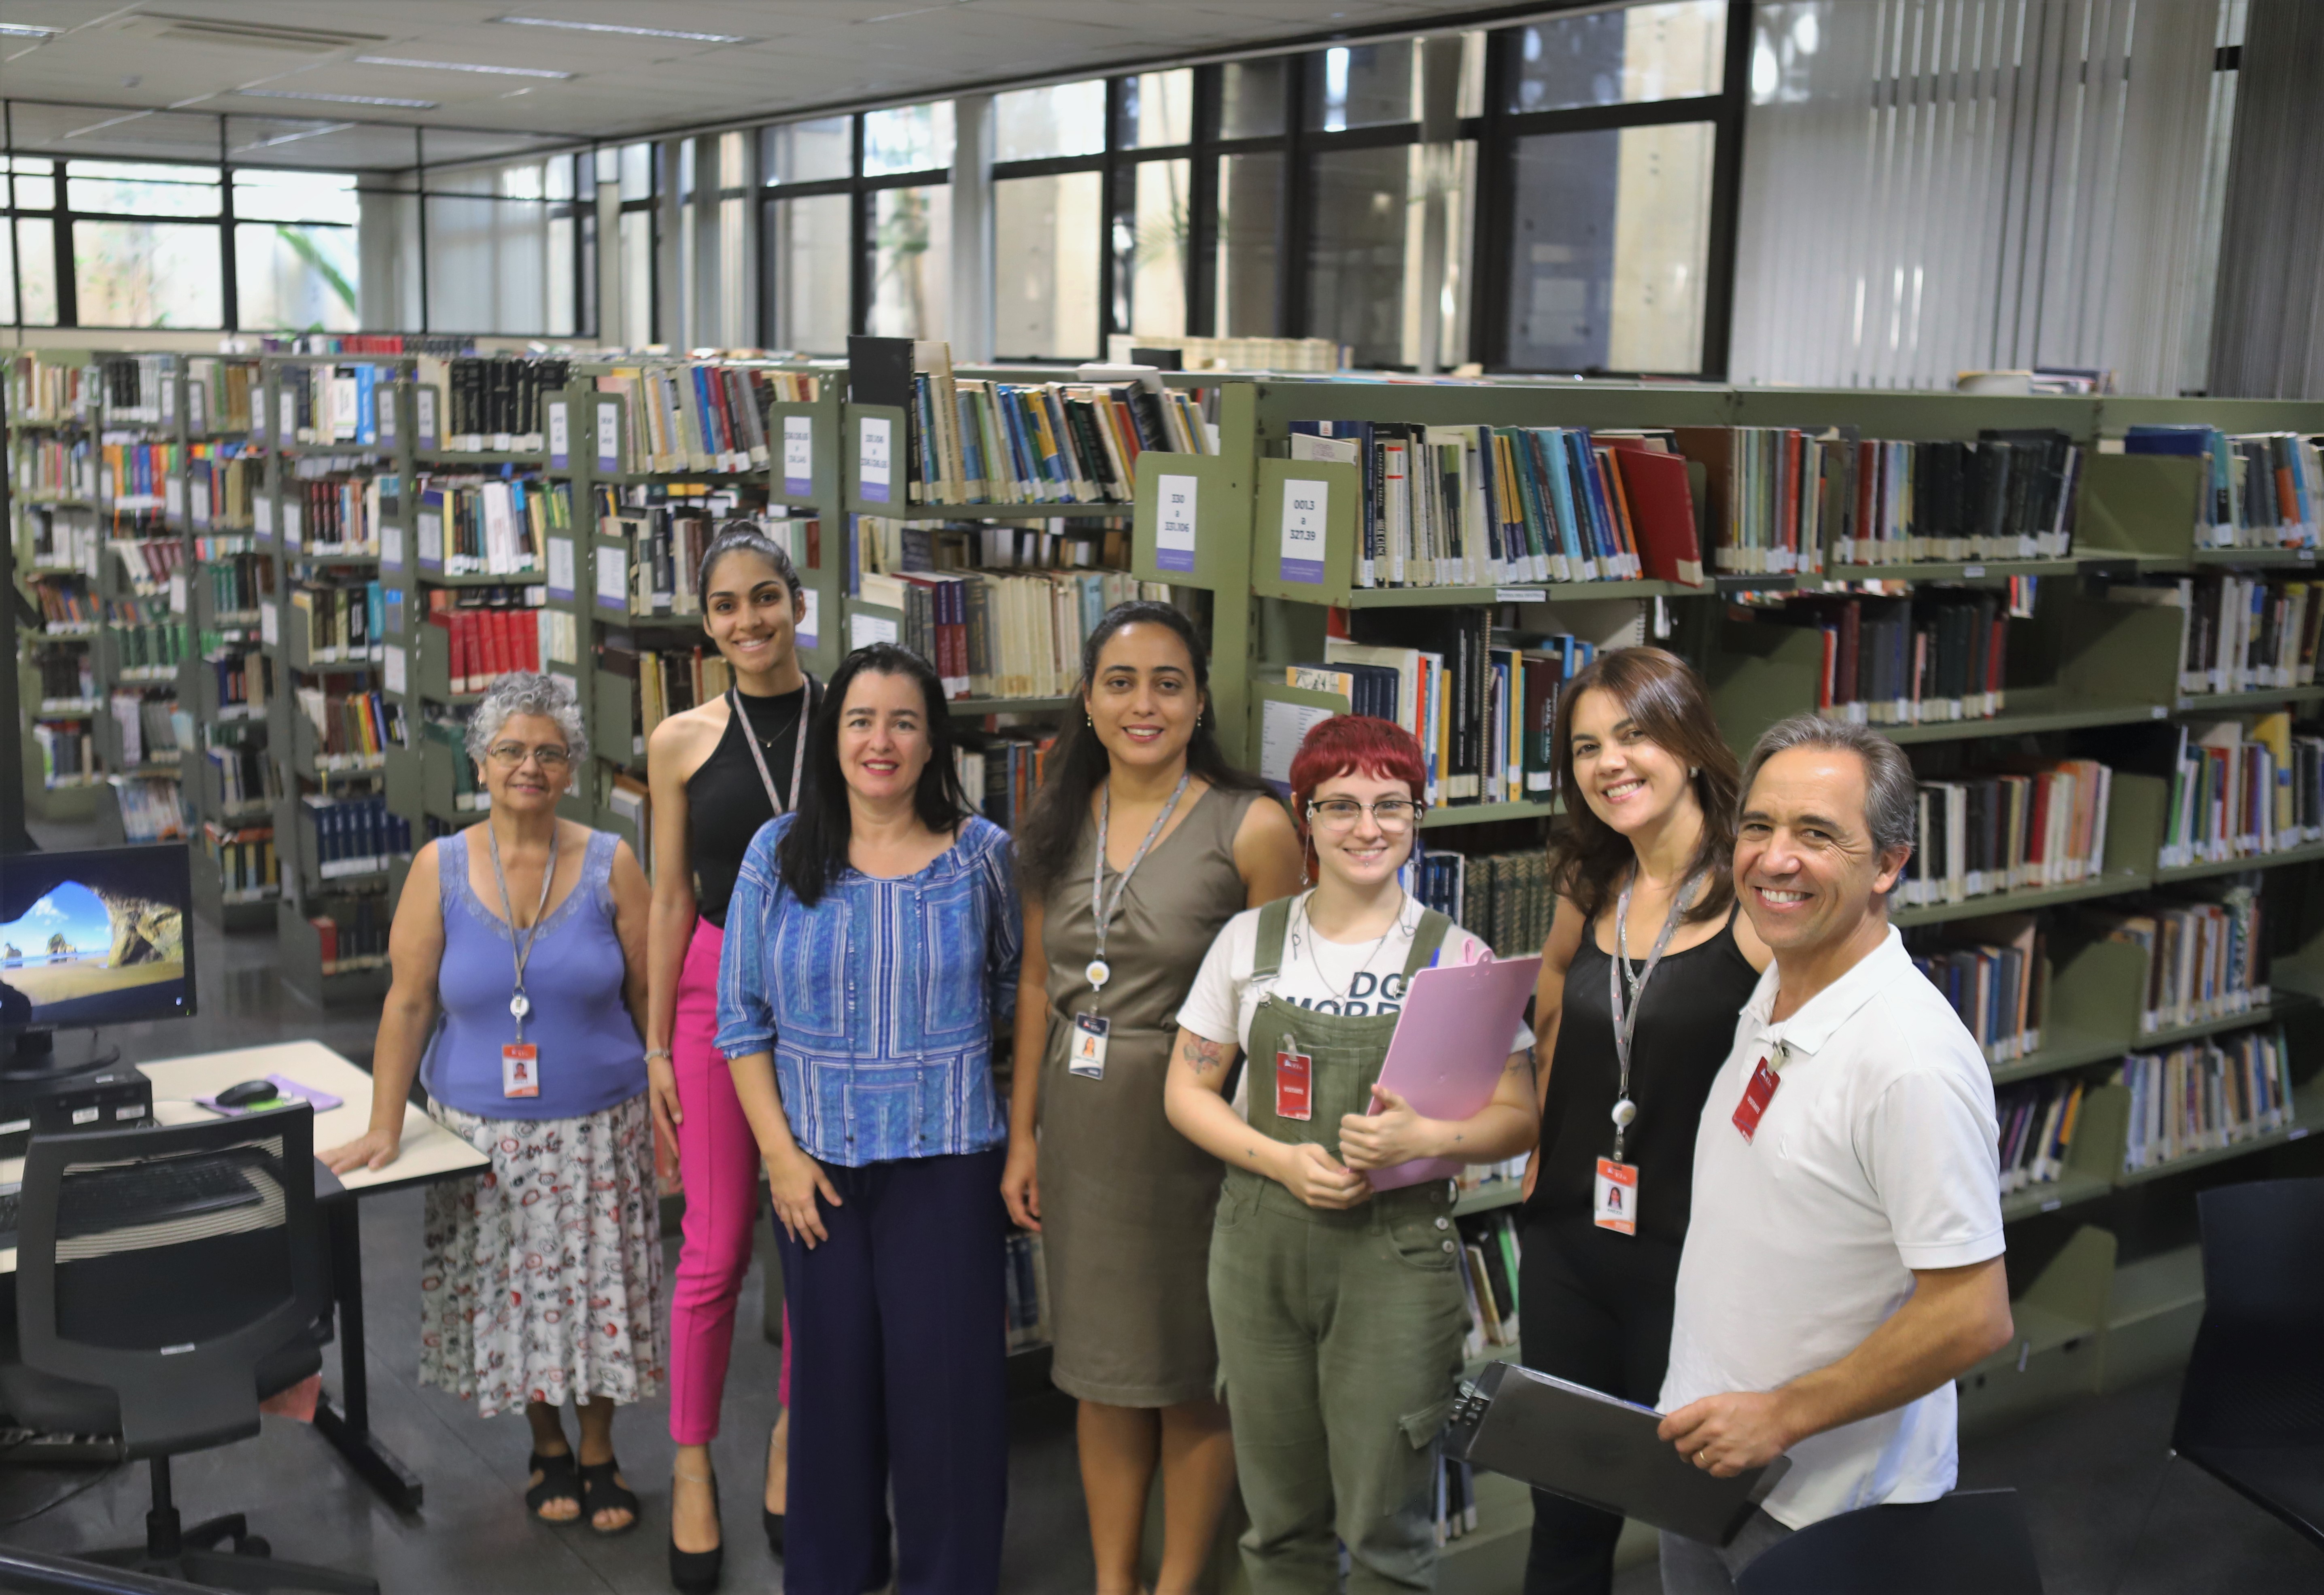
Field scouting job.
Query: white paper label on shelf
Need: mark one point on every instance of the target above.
(1519, 595)
(810, 625)
(609, 435)
(391, 545)
(383, 408)
(201, 498)
(293, 529)
(270, 626)
(173, 496)
(169, 401)
(261, 514)
(287, 427)
(431, 539)
(197, 407)
(1174, 522)
(394, 667)
(864, 629)
(798, 455)
(1282, 727)
(873, 433)
(178, 599)
(560, 443)
(1305, 504)
(560, 567)
(612, 578)
(424, 419)
(1972, 572)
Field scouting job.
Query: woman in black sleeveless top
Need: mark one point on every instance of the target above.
(1649, 826)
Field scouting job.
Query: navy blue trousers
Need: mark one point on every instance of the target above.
(899, 1381)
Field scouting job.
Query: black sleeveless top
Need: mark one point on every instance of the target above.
(1685, 1030)
(725, 801)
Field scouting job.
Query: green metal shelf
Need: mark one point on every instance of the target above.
(1009, 705)
(2265, 861)
(1993, 572)
(1514, 593)
(2111, 883)
(2066, 1190)
(2078, 1053)
(2024, 723)
(2229, 703)
(1485, 814)
(1489, 1198)
(976, 512)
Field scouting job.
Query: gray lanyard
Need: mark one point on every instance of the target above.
(1626, 1018)
(521, 940)
(1099, 970)
(798, 742)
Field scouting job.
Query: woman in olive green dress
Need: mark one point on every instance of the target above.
(1122, 1201)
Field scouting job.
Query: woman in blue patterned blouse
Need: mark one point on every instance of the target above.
(872, 945)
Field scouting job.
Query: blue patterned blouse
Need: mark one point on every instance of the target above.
(878, 1002)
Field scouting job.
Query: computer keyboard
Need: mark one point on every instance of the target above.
(104, 1199)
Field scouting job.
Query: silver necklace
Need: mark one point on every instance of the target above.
(1314, 935)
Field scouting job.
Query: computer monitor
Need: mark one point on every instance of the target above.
(88, 939)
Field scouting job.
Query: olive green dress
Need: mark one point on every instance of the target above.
(1127, 1202)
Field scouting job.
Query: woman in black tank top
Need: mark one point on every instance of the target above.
(1649, 827)
(718, 773)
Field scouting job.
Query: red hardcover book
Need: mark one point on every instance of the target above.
(1661, 514)
(496, 643)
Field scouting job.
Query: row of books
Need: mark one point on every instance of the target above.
(145, 728)
(243, 857)
(237, 586)
(352, 937)
(56, 468)
(353, 730)
(62, 538)
(222, 395)
(669, 682)
(2240, 634)
(138, 391)
(489, 402)
(151, 808)
(1026, 1291)
(484, 640)
(2036, 827)
(1996, 974)
(664, 557)
(46, 393)
(243, 680)
(2205, 1095)
(489, 526)
(131, 477)
(151, 648)
(2037, 1121)
(444, 737)
(1000, 634)
(2243, 789)
(67, 675)
(353, 834)
(886, 545)
(324, 404)
(65, 604)
(147, 563)
(224, 482)
(67, 752)
(1937, 656)
(246, 777)
(334, 513)
(1489, 1279)
(2009, 495)
(1504, 897)
(1000, 772)
(699, 416)
(2205, 959)
(2261, 490)
(337, 624)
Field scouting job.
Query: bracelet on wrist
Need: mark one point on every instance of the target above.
(657, 1052)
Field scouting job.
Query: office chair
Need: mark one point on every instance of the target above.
(2251, 1412)
(155, 1302)
(1969, 1539)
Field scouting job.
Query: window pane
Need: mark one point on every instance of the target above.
(1356, 257)
(487, 264)
(36, 270)
(909, 138)
(1610, 58)
(1039, 123)
(1046, 233)
(1150, 252)
(911, 254)
(133, 188)
(295, 196)
(561, 265)
(147, 275)
(1252, 98)
(293, 279)
(36, 184)
(807, 251)
(7, 278)
(636, 240)
(637, 171)
(808, 151)
(1251, 218)
(1158, 108)
(1611, 234)
(1362, 86)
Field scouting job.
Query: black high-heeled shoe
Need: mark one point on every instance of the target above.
(696, 1572)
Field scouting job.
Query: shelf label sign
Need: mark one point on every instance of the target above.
(391, 545)
(292, 531)
(384, 409)
(178, 601)
(396, 665)
(262, 515)
(200, 494)
(560, 443)
(169, 401)
(287, 428)
(174, 497)
(431, 539)
(1304, 505)
(609, 435)
(560, 568)
(1173, 523)
(810, 627)
(872, 455)
(864, 629)
(197, 407)
(612, 578)
(270, 626)
(798, 455)
(424, 422)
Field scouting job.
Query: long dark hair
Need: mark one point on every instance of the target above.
(1049, 836)
(1588, 859)
(813, 851)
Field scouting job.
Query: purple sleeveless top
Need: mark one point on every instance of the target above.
(590, 1054)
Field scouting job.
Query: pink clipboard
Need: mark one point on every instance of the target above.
(1451, 1042)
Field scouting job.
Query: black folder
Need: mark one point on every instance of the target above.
(1590, 1447)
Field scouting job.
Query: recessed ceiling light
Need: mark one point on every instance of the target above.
(558, 22)
(397, 60)
(340, 100)
(26, 31)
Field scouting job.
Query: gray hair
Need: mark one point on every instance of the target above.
(1892, 793)
(528, 692)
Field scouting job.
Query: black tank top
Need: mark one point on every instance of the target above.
(725, 801)
(1685, 1030)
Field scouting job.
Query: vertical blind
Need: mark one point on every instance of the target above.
(1937, 186)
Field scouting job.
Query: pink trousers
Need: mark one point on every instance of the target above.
(718, 1160)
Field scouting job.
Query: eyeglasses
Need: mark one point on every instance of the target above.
(512, 755)
(1389, 813)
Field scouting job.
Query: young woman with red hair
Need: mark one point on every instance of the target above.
(1339, 1310)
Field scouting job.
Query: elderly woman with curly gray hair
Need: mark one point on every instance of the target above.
(519, 987)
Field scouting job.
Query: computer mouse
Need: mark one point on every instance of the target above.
(247, 1093)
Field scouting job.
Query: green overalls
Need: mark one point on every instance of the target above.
(1340, 1333)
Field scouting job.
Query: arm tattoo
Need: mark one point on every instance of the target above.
(1202, 1056)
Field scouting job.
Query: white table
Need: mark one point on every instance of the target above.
(429, 1153)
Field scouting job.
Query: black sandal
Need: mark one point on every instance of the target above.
(601, 1492)
(559, 1482)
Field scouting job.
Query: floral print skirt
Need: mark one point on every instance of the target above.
(540, 1278)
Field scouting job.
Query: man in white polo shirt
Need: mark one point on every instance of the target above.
(1844, 1257)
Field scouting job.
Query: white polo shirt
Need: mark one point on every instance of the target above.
(1878, 1155)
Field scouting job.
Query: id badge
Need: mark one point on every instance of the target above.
(1090, 1033)
(1295, 1079)
(1756, 1095)
(1617, 1196)
(520, 1070)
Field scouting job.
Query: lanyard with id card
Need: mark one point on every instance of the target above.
(1295, 1081)
(520, 1060)
(1615, 1205)
(1757, 1092)
(1092, 1029)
